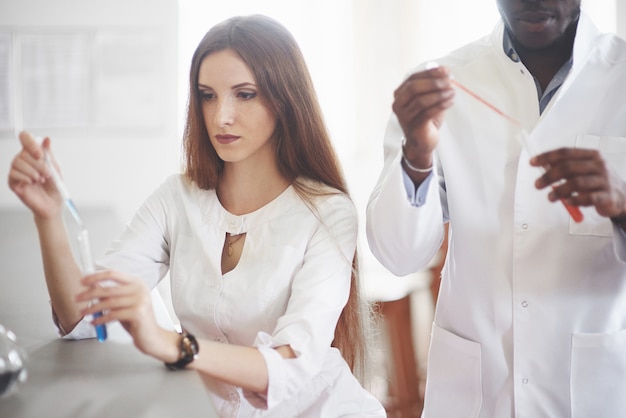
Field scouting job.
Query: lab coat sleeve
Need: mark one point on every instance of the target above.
(81, 331)
(404, 238)
(143, 248)
(319, 292)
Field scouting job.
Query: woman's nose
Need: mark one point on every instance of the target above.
(225, 114)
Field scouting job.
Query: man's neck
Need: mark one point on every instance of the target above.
(544, 63)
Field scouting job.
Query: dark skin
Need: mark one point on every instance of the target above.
(543, 34)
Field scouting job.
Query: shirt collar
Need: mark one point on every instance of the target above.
(509, 49)
(555, 83)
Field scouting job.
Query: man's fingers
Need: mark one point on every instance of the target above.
(554, 157)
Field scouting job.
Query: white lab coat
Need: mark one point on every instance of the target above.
(289, 288)
(531, 316)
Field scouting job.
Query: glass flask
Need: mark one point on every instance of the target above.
(12, 362)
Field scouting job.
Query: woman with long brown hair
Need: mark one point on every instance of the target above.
(258, 235)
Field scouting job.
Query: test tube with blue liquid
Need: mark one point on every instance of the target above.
(84, 247)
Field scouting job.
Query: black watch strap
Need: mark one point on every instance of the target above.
(188, 347)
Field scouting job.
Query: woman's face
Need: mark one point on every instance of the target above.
(237, 120)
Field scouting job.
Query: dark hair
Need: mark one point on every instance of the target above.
(301, 140)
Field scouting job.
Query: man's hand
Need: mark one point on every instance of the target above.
(581, 177)
(419, 104)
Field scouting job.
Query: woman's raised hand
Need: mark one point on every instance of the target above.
(30, 179)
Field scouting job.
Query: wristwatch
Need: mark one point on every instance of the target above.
(188, 352)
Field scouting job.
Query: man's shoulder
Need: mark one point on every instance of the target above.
(612, 48)
(476, 51)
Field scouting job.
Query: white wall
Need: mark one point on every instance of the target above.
(621, 17)
(357, 51)
(120, 169)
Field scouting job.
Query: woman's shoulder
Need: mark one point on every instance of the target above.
(178, 184)
(321, 193)
(325, 200)
(176, 190)
(178, 181)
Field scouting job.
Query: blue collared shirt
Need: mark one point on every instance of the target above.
(555, 83)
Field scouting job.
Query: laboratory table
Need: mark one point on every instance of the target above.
(82, 379)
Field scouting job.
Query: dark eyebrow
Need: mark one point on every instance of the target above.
(236, 86)
(245, 84)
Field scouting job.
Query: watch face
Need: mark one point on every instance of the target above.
(188, 352)
(189, 347)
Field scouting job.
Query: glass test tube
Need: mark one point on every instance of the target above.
(88, 267)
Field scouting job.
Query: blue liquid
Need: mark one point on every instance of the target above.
(74, 212)
(101, 330)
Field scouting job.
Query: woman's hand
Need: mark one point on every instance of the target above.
(124, 298)
(30, 180)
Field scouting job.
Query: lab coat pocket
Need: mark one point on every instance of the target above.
(598, 374)
(613, 150)
(454, 383)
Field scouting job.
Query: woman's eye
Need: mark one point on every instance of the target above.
(247, 95)
(204, 95)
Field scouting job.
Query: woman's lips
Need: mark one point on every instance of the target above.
(226, 139)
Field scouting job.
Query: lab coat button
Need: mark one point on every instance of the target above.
(524, 304)
(524, 226)
(524, 381)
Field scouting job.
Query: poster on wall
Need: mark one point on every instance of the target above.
(128, 78)
(55, 80)
(84, 81)
(6, 94)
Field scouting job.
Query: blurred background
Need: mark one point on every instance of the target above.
(108, 82)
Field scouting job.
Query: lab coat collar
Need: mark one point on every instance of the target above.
(586, 36)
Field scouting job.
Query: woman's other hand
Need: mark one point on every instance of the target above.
(124, 298)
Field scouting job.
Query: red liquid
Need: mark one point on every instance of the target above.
(574, 212)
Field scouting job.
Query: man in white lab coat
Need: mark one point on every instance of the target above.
(531, 316)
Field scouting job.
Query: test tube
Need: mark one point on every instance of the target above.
(574, 211)
(60, 185)
(88, 268)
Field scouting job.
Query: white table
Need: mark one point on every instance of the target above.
(83, 379)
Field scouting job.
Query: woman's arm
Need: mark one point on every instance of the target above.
(61, 271)
(30, 180)
(129, 302)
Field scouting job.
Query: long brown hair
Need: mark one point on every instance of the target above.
(301, 140)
